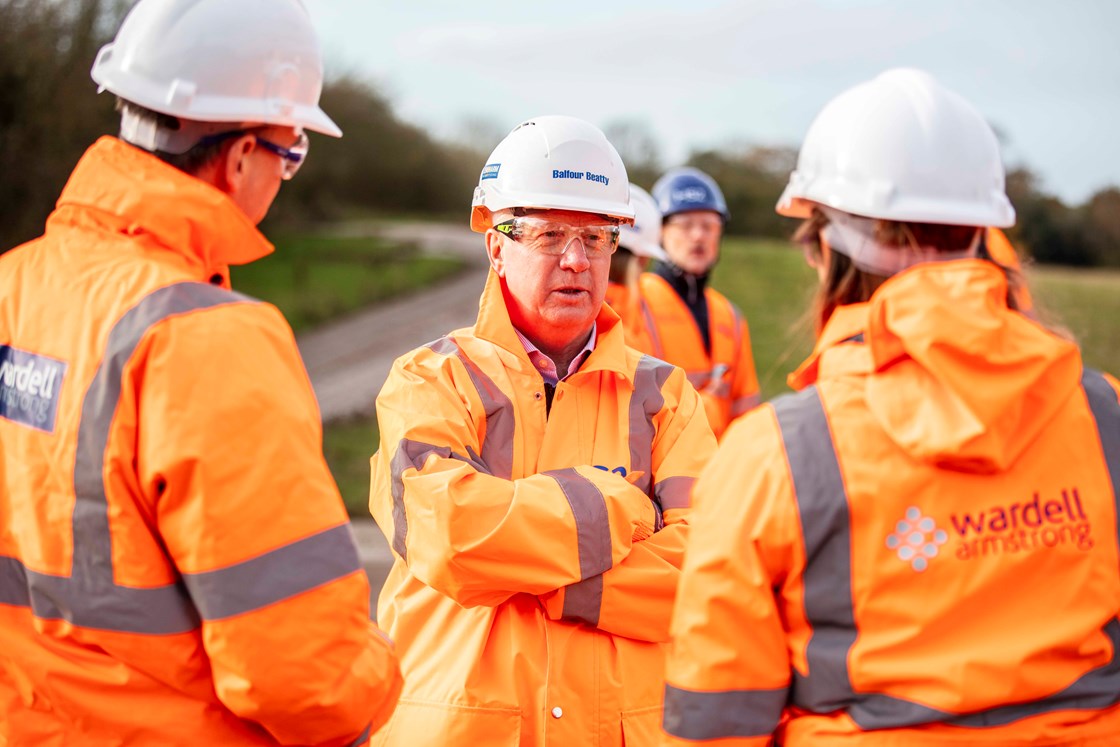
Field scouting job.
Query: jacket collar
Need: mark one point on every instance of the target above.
(494, 325)
(135, 193)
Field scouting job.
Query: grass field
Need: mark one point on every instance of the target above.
(771, 283)
(314, 278)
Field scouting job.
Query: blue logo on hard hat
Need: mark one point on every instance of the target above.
(590, 176)
(490, 171)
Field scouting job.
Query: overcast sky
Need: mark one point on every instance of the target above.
(702, 73)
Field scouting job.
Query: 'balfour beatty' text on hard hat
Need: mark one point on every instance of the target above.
(901, 147)
(683, 189)
(553, 163)
(644, 237)
(239, 61)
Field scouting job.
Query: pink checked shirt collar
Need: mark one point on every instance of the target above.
(546, 366)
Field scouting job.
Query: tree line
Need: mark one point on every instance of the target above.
(50, 113)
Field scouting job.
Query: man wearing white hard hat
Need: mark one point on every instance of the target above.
(637, 246)
(919, 547)
(533, 477)
(176, 565)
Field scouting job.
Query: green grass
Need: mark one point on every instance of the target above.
(769, 280)
(1087, 303)
(313, 279)
(348, 446)
(771, 283)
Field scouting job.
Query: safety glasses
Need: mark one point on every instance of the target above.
(552, 238)
(293, 156)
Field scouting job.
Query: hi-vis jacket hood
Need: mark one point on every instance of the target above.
(956, 378)
(181, 214)
(528, 599)
(922, 544)
(176, 564)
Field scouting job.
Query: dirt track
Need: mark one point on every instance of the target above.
(349, 359)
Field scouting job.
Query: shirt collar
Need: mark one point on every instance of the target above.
(546, 366)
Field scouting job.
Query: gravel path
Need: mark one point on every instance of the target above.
(349, 359)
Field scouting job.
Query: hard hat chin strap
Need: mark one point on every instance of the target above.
(145, 132)
(854, 237)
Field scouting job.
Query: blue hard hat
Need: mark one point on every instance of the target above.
(682, 189)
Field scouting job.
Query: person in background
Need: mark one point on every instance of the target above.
(533, 477)
(694, 325)
(637, 245)
(176, 565)
(920, 546)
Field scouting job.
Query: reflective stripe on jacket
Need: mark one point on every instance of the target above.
(920, 548)
(176, 566)
(529, 604)
(726, 378)
(637, 319)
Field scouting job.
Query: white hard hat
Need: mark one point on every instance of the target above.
(644, 237)
(235, 61)
(901, 147)
(553, 163)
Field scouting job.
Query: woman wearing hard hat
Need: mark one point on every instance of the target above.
(919, 547)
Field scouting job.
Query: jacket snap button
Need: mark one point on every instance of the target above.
(557, 712)
(538, 395)
(216, 279)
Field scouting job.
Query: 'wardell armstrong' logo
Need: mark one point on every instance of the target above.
(29, 387)
(1026, 526)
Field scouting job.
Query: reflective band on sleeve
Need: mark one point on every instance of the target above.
(724, 714)
(674, 492)
(646, 402)
(589, 508)
(276, 575)
(497, 443)
(412, 455)
(583, 601)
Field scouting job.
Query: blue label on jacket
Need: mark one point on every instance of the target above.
(29, 387)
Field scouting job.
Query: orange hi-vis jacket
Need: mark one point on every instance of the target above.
(637, 318)
(725, 378)
(919, 548)
(176, 566)
(528, 600)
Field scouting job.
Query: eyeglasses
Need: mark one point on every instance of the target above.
(552, 238)
(293, 156)
(688, 223)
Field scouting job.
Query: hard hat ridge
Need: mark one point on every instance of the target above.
(901, 147)
(553, 163)
(219, 61)
(686, 188)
